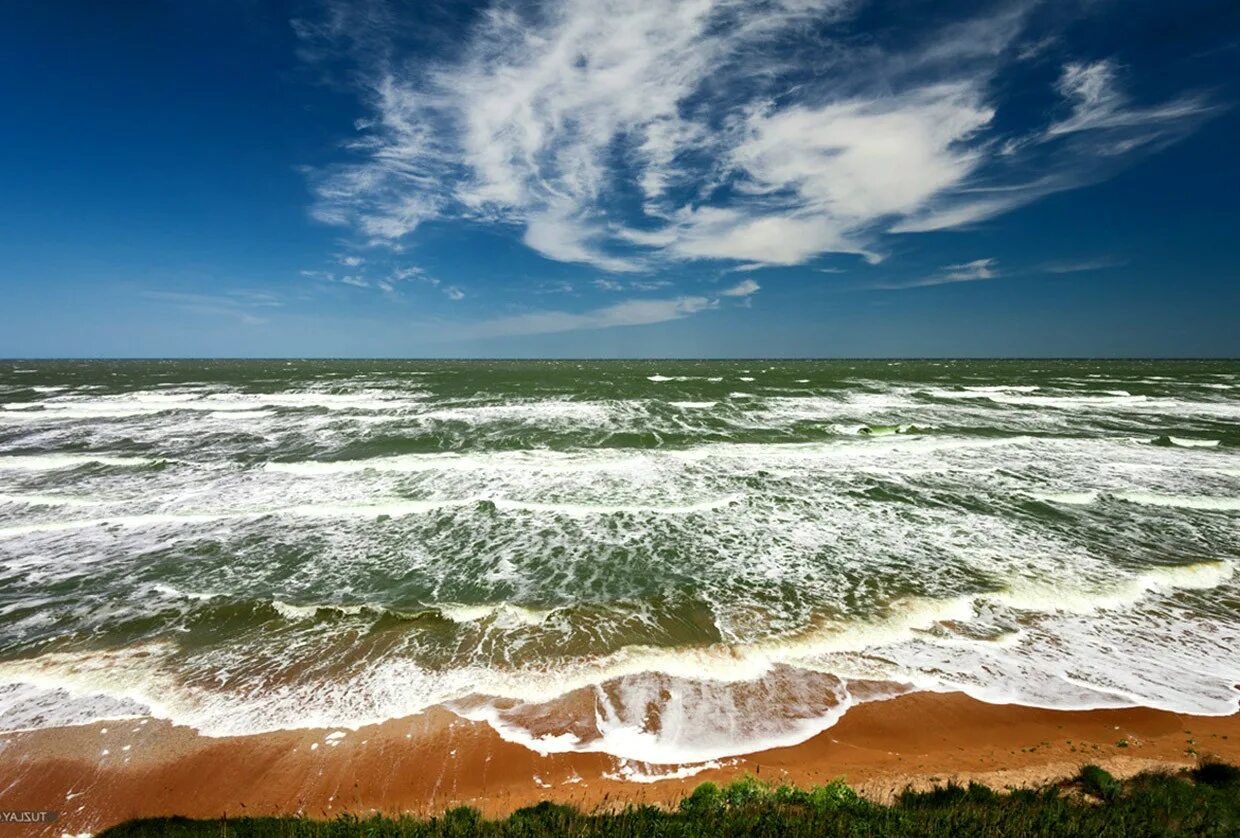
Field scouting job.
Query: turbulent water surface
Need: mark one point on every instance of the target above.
(670, 562)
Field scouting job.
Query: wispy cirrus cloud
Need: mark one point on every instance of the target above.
(1100, 104)
(388, 281)
(635, 312)
(1101, 132)
(630, 134)
(1071, 266)
(630, 312)
(988, 268)
(975, 271)
(244, 305)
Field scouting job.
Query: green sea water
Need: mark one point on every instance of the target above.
(667, 561)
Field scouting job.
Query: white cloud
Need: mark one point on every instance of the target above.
(239, 304)
(604, 284)
(1098, 102)
(748, 129)
(634, 312)
(351, 261)
(1102, 132)
(1070, 266)
(412, 273)
(649, 284)
(744, 288)
(978, 269)
(555, 287)
(557, 234)
(970, 271)
(454, 293)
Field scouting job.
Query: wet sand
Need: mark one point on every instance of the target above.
(98, 775)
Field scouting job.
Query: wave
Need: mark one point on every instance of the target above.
(611, 509)
(399, 508)
(250, 405)
(49, 500)
(1064, 402)
(1183, 442)
(1070, 498)
(1181, 501)
(149, 520)
(550, 411)
(885, 430)
(1198, 502)
(631, 771)
(699, 723)
(55, 462)
(297, 613)
(640, 460)
(174, 593)
(789, 507)
(241, 414)
(1072, 597)
(520, 460)
(396, 508)
(504, 614)
(713, 701)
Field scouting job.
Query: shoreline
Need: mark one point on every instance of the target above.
(100, 774)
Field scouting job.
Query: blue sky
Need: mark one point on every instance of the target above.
(619, 178)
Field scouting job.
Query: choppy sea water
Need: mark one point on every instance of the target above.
(667, 561)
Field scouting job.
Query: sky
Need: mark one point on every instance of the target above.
(620, 178)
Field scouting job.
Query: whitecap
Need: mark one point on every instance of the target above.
(49, 500)
(1184, 442)
(1074, 597)
(1070, 498)
(54, 462)
(1181, 501)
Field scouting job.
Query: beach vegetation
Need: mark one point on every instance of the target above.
(1203, 801)
(1098, 782)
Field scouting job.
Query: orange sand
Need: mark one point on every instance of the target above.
(98, 775)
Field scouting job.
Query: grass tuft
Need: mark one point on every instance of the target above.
(1099, 783)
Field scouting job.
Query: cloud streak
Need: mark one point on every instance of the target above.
(975, 271)
(631, 312)
(242, 305)
(636, 312)
(1071, 266)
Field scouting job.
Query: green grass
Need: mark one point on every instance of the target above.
(1204, 801)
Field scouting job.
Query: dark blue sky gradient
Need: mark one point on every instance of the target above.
(159, 164)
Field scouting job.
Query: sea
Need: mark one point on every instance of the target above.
(672, 562)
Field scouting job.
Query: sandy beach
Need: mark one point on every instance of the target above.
(101, 774)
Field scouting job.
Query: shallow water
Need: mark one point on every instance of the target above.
(670, 562)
